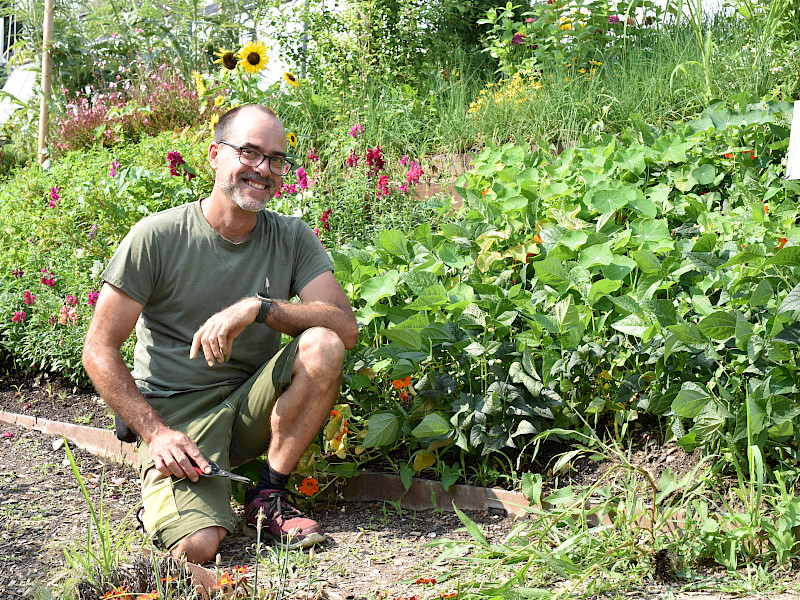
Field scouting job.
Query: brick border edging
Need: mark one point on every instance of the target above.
(100, 442)
(366, 486)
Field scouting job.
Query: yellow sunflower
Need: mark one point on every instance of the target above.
(290, 79)
(219, 100)
(212, 122)
(253, 56)
(199, 83)
(292, 138)
(227, 59)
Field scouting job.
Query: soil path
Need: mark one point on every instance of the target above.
(374, 550)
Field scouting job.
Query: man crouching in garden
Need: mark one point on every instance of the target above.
(206, 285)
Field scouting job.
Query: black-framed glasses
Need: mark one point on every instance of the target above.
(279, 165)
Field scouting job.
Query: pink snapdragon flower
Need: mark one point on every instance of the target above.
(92, 298)
(93, 231)
(375, 161)
(302, 179)
(67, 313)
(175, 160)
(353, 159)
(613, 19)
(19, 316)
(115, 164)
(47, 278)
(55, 196)
(17, 273)
(324, 219)
(312, 155)
(71, 300)
(383, 186)
(517, 39)
(414, 172)
(357, 130)
(29, 299)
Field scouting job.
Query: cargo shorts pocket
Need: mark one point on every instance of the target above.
(160, 508)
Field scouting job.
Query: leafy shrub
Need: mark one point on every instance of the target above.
(160, 102)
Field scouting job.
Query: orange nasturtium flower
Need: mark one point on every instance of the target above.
(309, 486)
(426, 580)
(226, 579)
(335, 413)
(781, 243)
(401, 383)
(118, 594)
(151, 596)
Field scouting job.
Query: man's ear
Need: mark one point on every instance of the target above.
(213, 150)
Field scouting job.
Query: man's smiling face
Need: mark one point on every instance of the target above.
(251, 188)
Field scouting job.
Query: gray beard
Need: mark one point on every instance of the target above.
(233, 190)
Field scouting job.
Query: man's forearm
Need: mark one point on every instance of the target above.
(113, 381)
(294, 318)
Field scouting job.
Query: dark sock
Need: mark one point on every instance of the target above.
(269, 478)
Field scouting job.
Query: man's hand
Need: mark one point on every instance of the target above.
(173, 453)
(216, 335)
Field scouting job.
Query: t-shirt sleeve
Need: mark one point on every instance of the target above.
(311, 258)
(134, 265)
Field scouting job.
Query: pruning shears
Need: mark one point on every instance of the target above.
(217, 472)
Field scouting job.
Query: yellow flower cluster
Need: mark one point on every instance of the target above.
(512, 91)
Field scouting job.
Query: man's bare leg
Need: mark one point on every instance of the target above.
(201, 546)
(301, 411)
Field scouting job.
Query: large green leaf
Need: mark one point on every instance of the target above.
(791, 302)
(619, 267)
(602, 288)
(719, 325)
(688, 333)
(550, 271)
(789, 256)
(433, 425)
(691, 400)
(377, 288)
(672, 148)
(410, 338)
(383, 429)
(431, 297)
(652, 234)
(609, 197)
(599, 254)
(394, 242)
(632, 325)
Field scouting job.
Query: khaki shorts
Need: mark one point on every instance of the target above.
(230, 424)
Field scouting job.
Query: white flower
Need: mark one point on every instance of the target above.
(97, 268)
(80, 252)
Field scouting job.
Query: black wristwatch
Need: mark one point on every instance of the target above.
(263, 310)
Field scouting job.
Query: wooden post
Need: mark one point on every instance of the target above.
(47, 68)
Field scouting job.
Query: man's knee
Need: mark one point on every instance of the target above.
(321, 349)
(201, 546)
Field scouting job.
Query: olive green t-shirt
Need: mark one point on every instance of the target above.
(182, 271)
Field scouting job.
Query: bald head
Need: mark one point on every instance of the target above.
(227, 121)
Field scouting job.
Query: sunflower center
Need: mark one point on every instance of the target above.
(290, 77)
(230, 61)
(254, 58)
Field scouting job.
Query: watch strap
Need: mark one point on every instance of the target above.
(263, 310)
